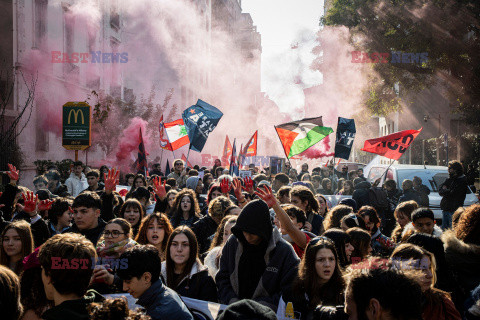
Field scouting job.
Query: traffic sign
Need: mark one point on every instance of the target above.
(77, 127)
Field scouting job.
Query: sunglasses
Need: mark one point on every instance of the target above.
(318, 239)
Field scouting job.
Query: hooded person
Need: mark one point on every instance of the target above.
(360, 195)
(195, 183)
(256, 263)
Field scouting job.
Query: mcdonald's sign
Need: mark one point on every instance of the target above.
(76, 132)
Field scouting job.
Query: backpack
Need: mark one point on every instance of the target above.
(377, 197)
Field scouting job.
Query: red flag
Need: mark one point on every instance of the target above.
(251, 146)
(164, 143)
(392, 146)
(227, 152)
(185, 160)
(142, 155)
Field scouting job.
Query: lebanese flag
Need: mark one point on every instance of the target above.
(164, 143)
(251, 146)
(227, 152)
(298, 136)
(177, 134)
(392, 146)
(185, 160)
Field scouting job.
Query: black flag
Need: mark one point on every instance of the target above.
(345, 136)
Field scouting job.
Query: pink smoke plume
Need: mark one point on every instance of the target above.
(320, 150)
(130, 140)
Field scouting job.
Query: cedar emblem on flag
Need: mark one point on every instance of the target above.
(392, 146)
(177, 134)
(298, 136)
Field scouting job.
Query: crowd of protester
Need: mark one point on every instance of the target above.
(267, 246)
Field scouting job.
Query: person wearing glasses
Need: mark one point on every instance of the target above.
(179, 174)
(116, 238)
(319, 281)
(185, 209)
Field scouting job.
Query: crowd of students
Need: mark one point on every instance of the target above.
(268, 247)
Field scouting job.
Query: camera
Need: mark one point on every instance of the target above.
(329, 313)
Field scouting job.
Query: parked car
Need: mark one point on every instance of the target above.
(432, 177)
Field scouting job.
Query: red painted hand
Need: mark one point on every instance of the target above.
(13, 172)
(265, 193)
(159, 188)
(30, 202)
(248, 185)
(225, 186)
(112, 180)
(45, 205)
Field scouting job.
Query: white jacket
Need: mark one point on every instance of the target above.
(75, 184)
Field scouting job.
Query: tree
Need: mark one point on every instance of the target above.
(447, 30)
(13, 119)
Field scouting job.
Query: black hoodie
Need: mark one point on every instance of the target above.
(255, 219)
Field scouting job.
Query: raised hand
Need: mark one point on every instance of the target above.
(45, 205)
(237, 189)
(111, 181)
(30, 202)
(248, 185)
(12, 172)
(266, 195)
(159, 188)
(225, 186)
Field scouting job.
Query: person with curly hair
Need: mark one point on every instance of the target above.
(205, 228)
(303, 198)
(185, 209)
(462, 252)
(334, 217)
(155, 230)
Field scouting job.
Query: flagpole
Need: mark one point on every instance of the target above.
(173, 155)
(188, 153)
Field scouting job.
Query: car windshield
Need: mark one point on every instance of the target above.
(431, 178)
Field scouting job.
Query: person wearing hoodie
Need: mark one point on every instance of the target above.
(182, 270)
(453, 192)
(77, 182)
(360, 194)
(67, 287)
(256, 263)
(195, 183)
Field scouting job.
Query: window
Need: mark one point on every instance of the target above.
(40, 20)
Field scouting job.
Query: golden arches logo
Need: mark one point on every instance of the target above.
(75, 115)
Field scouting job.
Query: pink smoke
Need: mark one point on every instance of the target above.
(130, 140)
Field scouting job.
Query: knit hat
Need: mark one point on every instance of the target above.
(255, 219)
(247, 310)
(192, 182)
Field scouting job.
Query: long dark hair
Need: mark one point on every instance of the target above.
(308, 281)
(305, 194)
(177, 206)
(192, 257)
(25, 233)
(360, 240)
(132, 203)
(340, 238)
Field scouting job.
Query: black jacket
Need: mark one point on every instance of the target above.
(204, 230)
(197, 285)
(360, 195)
(316, 221)
(454, 194)
(410, 194)
(91, 234)
(423, 191)
(73, 309)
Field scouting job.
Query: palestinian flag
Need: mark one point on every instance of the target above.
(176, 133)
(298, 136)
